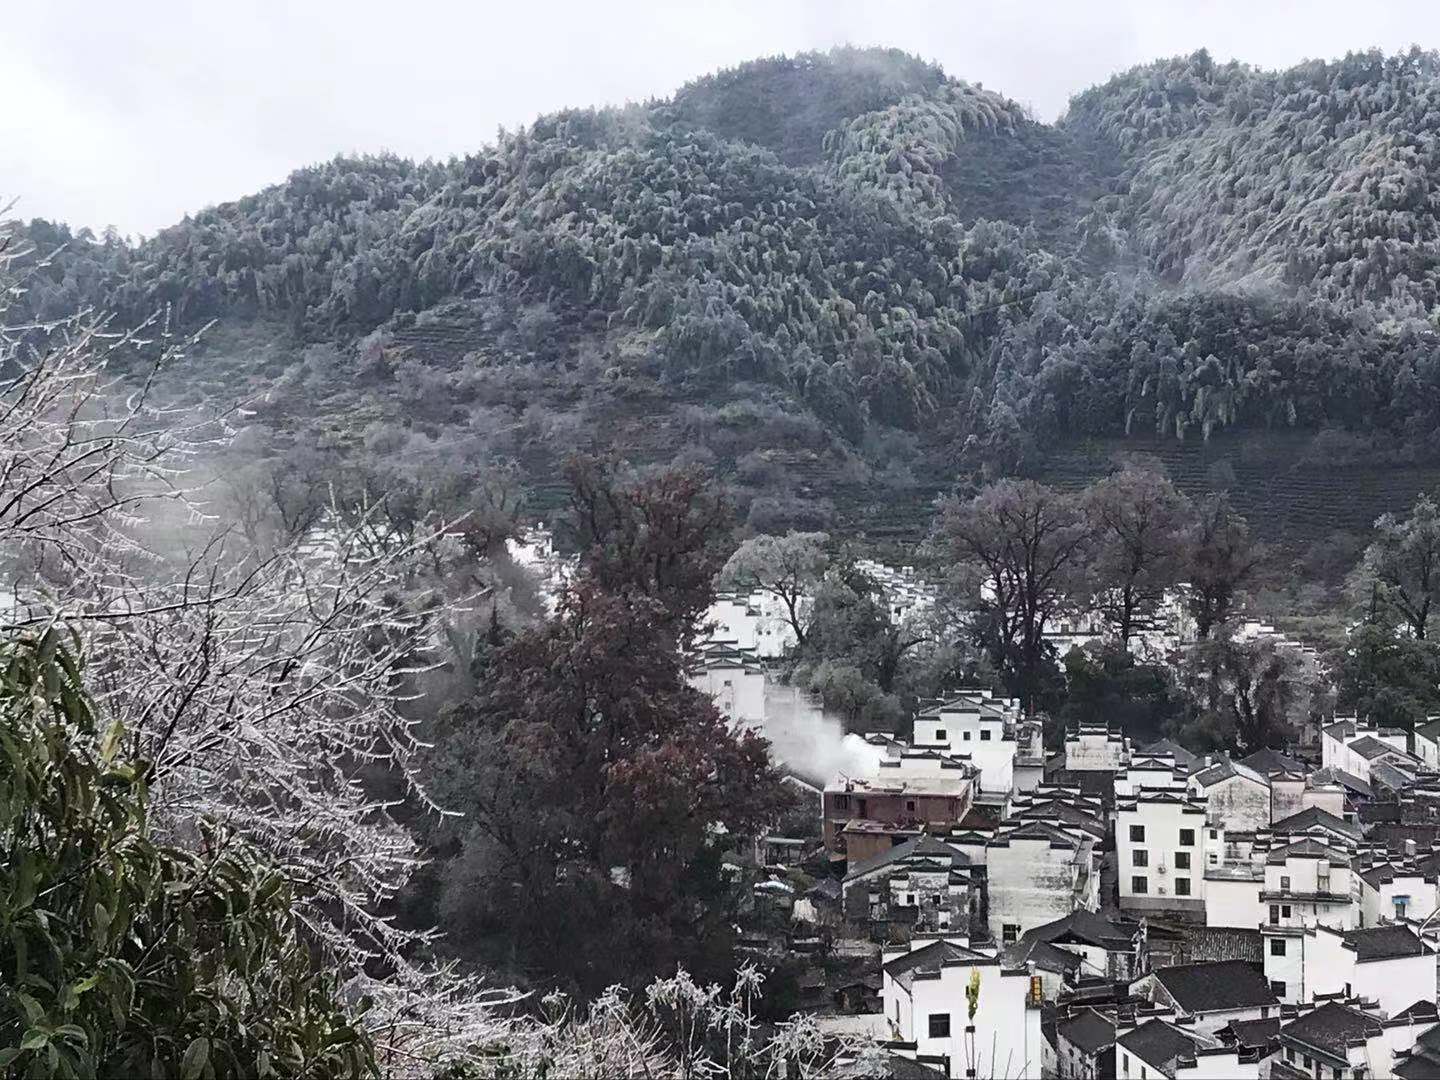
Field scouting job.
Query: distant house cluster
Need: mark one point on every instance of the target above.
(981, 906)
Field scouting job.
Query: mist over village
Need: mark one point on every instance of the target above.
(838, 567)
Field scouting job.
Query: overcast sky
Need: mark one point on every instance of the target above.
(133, 114)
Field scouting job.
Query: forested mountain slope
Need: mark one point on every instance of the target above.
(840, 278)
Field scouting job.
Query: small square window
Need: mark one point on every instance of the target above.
(965, 735)
(984, 736)
(1139, 884)
(1141, 857)
(1187, 837)
(1213, 834)
(910, 804)
(939, 1025)
(1277, 946)
(940, 735)
(1284, 911)
(1137, 834)
(1182, 860)
(1182, 886)
(1284, 883)
(1278, 989)
(1010, 933)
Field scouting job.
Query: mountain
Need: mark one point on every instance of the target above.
(850, 281)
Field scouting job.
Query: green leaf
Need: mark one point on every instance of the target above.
(34, 1039)
(197, 1056)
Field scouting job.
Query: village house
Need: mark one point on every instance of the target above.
(1398, 887)
(1210, 995)
(1309, 883)
(1389, 965)
(1085, 1046)
(922, 885)
(1154, 1048)
(1161, 852)
(980, 728)
(1107, 946)
(1096, 749)
(733, 678)
(755, 622)
(908, 794)
(1147, 772)
(1425, 742)
(1038, 871)
(924, 1003)
(1234, 793)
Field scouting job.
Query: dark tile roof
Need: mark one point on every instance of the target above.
(1370, 748)
(923, 844)
(1184, 758)
(1331, 1027)
(1222, 984)
(929, 958)
(1252, 1032)
(1268, 761)
(882, 1064)
(1307, 848)
(1043, 955)
(1345, 779)
(1312, 816)
(1225, 768)
(1430, 729)
(1037, 830)
(1087, 928)
(1157, 1042)
(1384, 942)
(1089, 1032)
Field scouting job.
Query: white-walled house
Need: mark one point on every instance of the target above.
(977, 726)
(734, 679)
(1389, 965)
(757, 621)
(1234, 794)
(1399, 888)
(1309, 883)
(1149, 772)
(1425, 742)
(1107, 947)
(1160, 846)
(1232, 896)
(1332, 1039)
(1037, 872)
(1096, 748)
(1210, 995)
(924, 1002)
(1160, 1049)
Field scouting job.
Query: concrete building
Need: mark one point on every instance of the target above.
(1096, 748)
(977, 727)
(1107, 946)
(901, 801)
(923, 884)
(1308, 883)
(1085, 1046)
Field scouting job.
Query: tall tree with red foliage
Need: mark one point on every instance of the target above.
(603, 789)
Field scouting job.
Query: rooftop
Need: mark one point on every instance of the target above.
(1312, 817)
(1385, 943)
(1158, 1043)
(1088, 1032)
(1216, 986)
(1332, 1028)
(1086, 928)
(920, 846)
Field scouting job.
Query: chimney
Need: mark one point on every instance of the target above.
(1410, 849)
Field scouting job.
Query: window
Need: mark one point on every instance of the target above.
(842, 802)
(939, 1025)
(1137, 834)
(1213, 834)
(909, 804)
(1278, 989)
(1274, 913)
(1139, 884)
(1284, 911)
(1125, 1064)
(909, 899)
(1182, 860)
(1277, 946)
(1289, 1050)
(1010, 933)
(1284, 883)
(940, 736)
(1142, 857)
(984, 736)
(1187, 837)
(965, 735)
(1182, 886)
(1400, 902)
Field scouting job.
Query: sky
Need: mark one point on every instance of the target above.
(134, 114)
